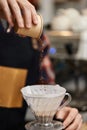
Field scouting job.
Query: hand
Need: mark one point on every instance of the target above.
(21, 10)
(72, 118)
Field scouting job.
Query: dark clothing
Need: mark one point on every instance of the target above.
(17, 52)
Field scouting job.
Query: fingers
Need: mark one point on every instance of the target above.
(80, 126)
(34, 15)
(29, 13)
(6, 11)
(76, 125)
(62, 113)
(71, 116)
(24, 12)
(27, 18)
(16, 12)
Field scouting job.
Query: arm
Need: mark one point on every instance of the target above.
(72, 118)
(21, 10)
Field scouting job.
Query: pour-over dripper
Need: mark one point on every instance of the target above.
(44, 101)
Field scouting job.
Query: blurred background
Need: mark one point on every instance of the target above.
(65, 24)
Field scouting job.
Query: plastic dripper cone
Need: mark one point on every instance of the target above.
(44, 100)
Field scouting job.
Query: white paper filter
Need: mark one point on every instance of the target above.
(44, 99)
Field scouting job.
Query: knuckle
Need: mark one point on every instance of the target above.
(25, 7)
(15, 7)
(75, 110)
(32, 7)
(28, 6)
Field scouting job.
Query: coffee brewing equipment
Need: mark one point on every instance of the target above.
(45, 101)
